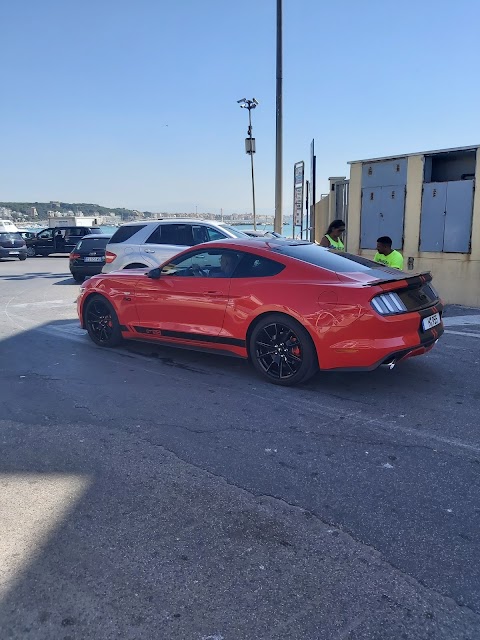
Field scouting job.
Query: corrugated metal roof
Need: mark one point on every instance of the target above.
(417, 153)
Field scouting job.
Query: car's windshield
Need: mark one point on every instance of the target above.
(235, 232)
(337, 262)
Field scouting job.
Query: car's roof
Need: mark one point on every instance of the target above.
(93, 236)
(256, 242)
(172, 221)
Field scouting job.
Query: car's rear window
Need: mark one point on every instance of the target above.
(126, 232)
(10, 236)
(337, 262)
(93, 243)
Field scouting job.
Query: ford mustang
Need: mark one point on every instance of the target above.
(290, 307)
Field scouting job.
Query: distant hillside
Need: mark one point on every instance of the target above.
(62, 207)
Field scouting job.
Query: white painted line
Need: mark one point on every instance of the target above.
(42, 303)
(461, 321)
(469, 334)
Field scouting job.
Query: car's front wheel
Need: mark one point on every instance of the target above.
(31, 252)
(101, 322)
(282, 350)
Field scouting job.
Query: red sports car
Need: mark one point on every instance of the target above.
(289, 306)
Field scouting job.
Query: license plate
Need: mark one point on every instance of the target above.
(431, 321)
(91, 259)
(13, 253)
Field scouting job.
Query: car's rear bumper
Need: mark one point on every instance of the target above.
(87, 270)
(371, 341)
(17, 252)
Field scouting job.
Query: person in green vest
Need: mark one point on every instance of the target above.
(332, 239)
(388, 256)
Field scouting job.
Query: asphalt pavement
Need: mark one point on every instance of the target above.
(154, 493)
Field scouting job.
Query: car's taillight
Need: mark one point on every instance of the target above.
(387, 304)
(74, 256)
(109, 257)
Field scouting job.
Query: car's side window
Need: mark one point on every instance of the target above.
(214, 234)
(45, 235)
(156, 236)
(176, 234)
(253, 266)
(199, 233)
(125, 232)
(220, 263)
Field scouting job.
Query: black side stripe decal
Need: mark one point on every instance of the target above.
(197, 337)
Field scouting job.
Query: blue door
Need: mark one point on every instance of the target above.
(458, 219)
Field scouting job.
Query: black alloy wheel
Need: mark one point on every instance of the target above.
(282, 350)
(31, 252)
(102, 323)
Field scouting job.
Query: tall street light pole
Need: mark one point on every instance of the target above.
(250, 146)
(279, 111)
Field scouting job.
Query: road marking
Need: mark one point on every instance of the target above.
(42, 303)
(461, 321)
(469, 334)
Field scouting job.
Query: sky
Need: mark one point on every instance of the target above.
(134, 104)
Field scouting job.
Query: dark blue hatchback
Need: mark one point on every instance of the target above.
(88, 257)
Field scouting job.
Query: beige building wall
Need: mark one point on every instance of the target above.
(456, 275)
(322, 209)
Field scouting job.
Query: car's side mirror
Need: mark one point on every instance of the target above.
(154, 274)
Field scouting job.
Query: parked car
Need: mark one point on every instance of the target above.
(147, 244)
(57, 240)
(12, 245)
(291, 307)
(88, 256)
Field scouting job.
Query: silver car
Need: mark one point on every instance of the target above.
(136, 245)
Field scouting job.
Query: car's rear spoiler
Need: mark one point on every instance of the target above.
(411, 282)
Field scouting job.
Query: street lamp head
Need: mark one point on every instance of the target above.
(241, 100)
(255, 100)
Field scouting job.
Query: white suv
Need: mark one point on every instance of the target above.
(147, 244)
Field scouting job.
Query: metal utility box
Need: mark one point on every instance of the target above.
(385, 173)
(382, 215)
(446, 220)
(383, 202)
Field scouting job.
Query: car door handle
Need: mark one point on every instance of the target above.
(214, 293)
(149, 250)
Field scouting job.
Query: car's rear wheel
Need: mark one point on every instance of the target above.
(282, 350)
(22, 257)
(101, 322)
(136, 265)
(31, 252)
(78, 277)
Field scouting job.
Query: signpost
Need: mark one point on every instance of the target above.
(298, 181)
(313, 181)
